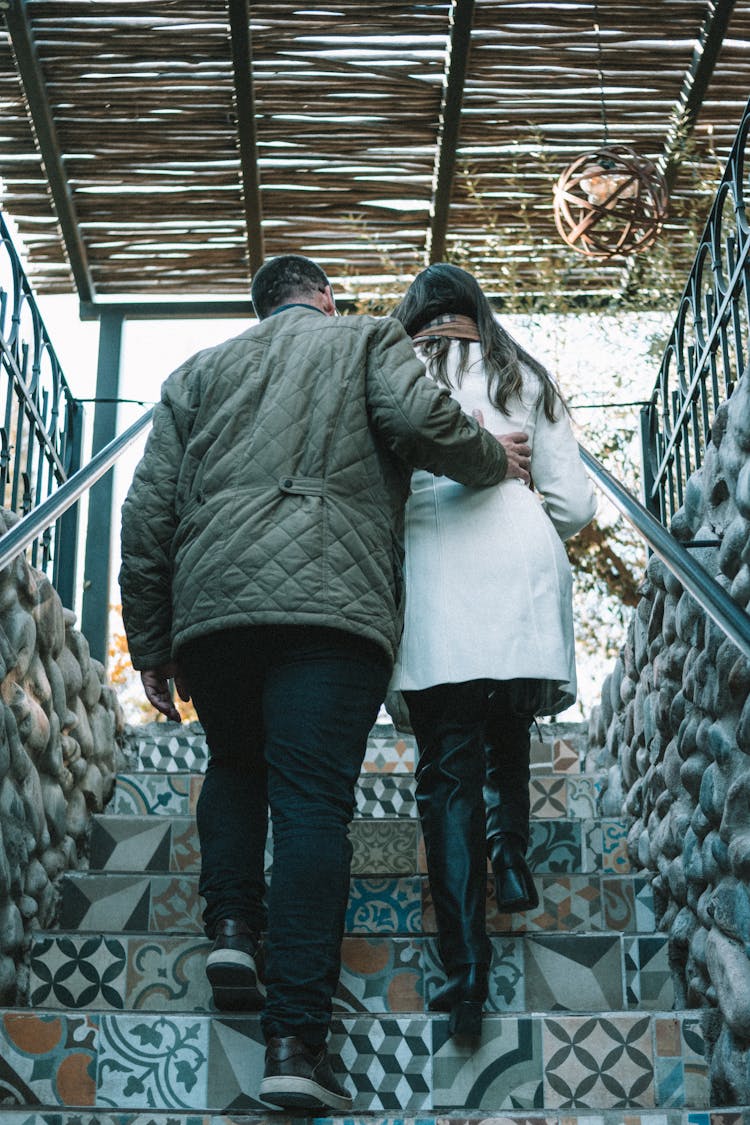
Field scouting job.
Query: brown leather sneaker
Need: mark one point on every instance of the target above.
(299, 1077)
(234, 968)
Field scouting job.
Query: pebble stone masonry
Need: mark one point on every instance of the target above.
(60, 733)
(673, 730)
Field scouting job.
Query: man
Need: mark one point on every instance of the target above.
(261, 568)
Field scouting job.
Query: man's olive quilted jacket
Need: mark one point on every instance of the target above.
(274, 480)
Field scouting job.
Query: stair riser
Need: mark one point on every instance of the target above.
(169, 904)
(378, 795)
(381, 847)
(586, 973)
(183, 749)
(394, 1064)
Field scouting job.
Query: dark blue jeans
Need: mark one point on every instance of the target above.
(286, 711)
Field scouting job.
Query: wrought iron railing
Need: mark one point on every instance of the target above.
(41, 423)
(708, 348)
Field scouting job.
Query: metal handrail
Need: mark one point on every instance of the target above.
(712, 598)
(23, 533)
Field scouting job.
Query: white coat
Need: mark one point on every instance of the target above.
(488, 582)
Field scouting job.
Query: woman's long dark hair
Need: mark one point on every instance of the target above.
(442, 289)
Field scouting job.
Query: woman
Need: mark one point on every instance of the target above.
(488, 634)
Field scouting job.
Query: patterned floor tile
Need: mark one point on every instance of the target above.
(566, 756)
(172, 749)
(387, 1062)
(648, 979)
(48, 1059)
(680, 1062)
(383, 847)
(566, 903)
(554, 846)
(583, 796)
(506, 980)
(386, 795)
(185, 853)
(380, 974)
(130, 843)
(166, 972)
(566, 972)
(151, 795)
(540, 754)
(236, 1063)
(152, 1061)
(503, 1072)
(390, 753)
(77, 973)
(105, 903)
(598, 1063)
(385, 906)
(549, 797)
(175, 905)
(619, 905)
(196, 784)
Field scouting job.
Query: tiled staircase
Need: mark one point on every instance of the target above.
(120, 1029)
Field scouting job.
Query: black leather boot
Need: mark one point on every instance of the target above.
(463, 995)
(514, 883)
(506, 792)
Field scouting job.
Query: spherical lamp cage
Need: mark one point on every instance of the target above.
(610, 202)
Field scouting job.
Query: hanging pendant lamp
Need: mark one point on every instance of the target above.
(610, 201)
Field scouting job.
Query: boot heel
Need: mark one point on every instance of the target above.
(466, 1019)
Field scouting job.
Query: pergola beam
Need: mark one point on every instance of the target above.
(695, 86)
(462, 15)
(239, 23)
(686, 112)
(35, 89)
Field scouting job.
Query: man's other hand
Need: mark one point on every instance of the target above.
(517, 450)
(156, 686)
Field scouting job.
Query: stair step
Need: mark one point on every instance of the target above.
(736, 1115)
(378, 794)
(530, 972)
(172, 748)
(146, 1061)
(110, 903)
(381, 846)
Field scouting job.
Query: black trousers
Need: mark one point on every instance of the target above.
(472, 784)
(286, 711)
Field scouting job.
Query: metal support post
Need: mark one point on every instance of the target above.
(66, 535)
(97, 569)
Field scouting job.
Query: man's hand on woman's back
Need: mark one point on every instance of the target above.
(517, 450)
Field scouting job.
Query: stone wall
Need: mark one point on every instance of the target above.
(60, 747)
(673, 728)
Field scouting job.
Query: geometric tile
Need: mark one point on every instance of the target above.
(548, 797)
(175, 905)
(387, 1061)
(680, 1063)
(598, 1063)
(565, 756)
(156, 1061)
(389, 752)
(567, 972)
(648, 979)
(503, 1072)
(385, 795)
(75, 973)
(380, 974)
(235, 1064)
(105, 903)
(567, 903)
(130, 843)
(48, 1059)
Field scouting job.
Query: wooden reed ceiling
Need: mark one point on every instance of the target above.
(159, 150)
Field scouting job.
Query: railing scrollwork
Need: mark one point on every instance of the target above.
(40, 420)
(708, 348)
